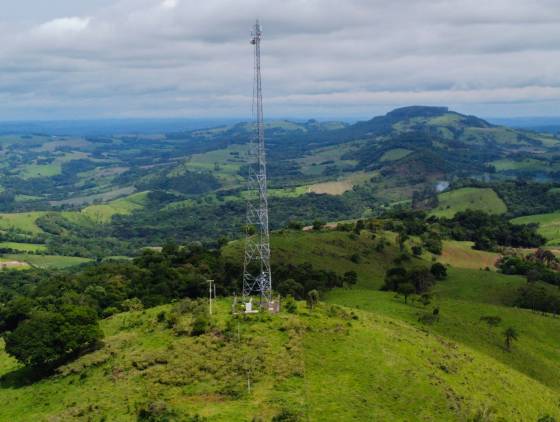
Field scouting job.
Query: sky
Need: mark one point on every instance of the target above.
(347, 59)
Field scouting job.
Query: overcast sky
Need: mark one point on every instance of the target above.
(64, 59)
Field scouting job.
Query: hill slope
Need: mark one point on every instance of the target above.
(361, 355)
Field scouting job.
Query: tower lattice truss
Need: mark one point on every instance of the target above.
(257, 278)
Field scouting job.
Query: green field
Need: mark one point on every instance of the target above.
(484, 199)
(24, 247)
(21, 221)
(367, 359)
(104, 213)
(527, 164)
(47, 261)
(549, 225)
(395, 154)
(462, 255)
(32, 171)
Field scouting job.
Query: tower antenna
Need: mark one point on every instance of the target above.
(257, 278)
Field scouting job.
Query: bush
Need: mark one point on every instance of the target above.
(318, 225)
(49, 338)
(287, 416)
(290, 305)
(439, 271)
(428, 319)
(491, 320)
(201, 325)
(417, 250)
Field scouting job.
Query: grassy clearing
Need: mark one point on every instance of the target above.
(47, 261)
(24, 247)
(395, 154)
(32, 171)
(104, 213)
(549, 225)
(22, 221)
(484, 199)
(461, 255)
(321, 365)
(332, 188)
(330, 250)
(10, 264)
(527, 164)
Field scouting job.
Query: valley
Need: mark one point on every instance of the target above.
(425, 234)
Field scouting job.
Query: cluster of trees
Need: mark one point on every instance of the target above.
(522, 197)
(48, 317)
(542, 266)
(409, 223)
(413, 281)
(536, 267)
(299, 280)
(538, 298)
(489, 231)
(208, 221)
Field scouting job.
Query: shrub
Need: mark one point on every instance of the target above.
(49, 338)
(201, 325)
(439, 271)
(417, 250)
(290, 305)
(491, 320)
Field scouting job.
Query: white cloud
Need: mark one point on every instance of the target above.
(169, 4)
(64, 25)
(320, 57)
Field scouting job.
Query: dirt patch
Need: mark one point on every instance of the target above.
(332, 188)
(13, 264)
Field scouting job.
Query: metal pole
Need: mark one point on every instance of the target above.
(210, 294)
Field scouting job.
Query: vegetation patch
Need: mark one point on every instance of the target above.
(549, 225)
(395, 154)
(483, 199)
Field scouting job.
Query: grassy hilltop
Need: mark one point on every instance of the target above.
(361, 354)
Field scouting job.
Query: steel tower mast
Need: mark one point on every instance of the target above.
(257, 277)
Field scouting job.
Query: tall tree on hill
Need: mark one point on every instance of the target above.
(510, 335)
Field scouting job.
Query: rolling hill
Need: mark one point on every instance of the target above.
(361, 354)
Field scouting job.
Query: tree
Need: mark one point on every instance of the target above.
(48, 338)
(350, 278)
(360, 225)
(312, 298)
(290, 287)
(402, 237)
(295, 225)
(406, 289)
(290, 305)
(439, 271)
(426, 299)
(417, 250)
(533, 275)
(510, 334)
(422, 279)
(492, 321)
(318, 224)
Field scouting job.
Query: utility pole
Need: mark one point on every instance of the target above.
(210, 290)
(257, 276)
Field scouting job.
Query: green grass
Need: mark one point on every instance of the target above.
(549, 225)
(395, 154)
(103, 213)
(462, 255)
(484, 199)
(21, 221)
(47, 261)
(526, 164)
(24, 247)
(370, 359)
(32, 171)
